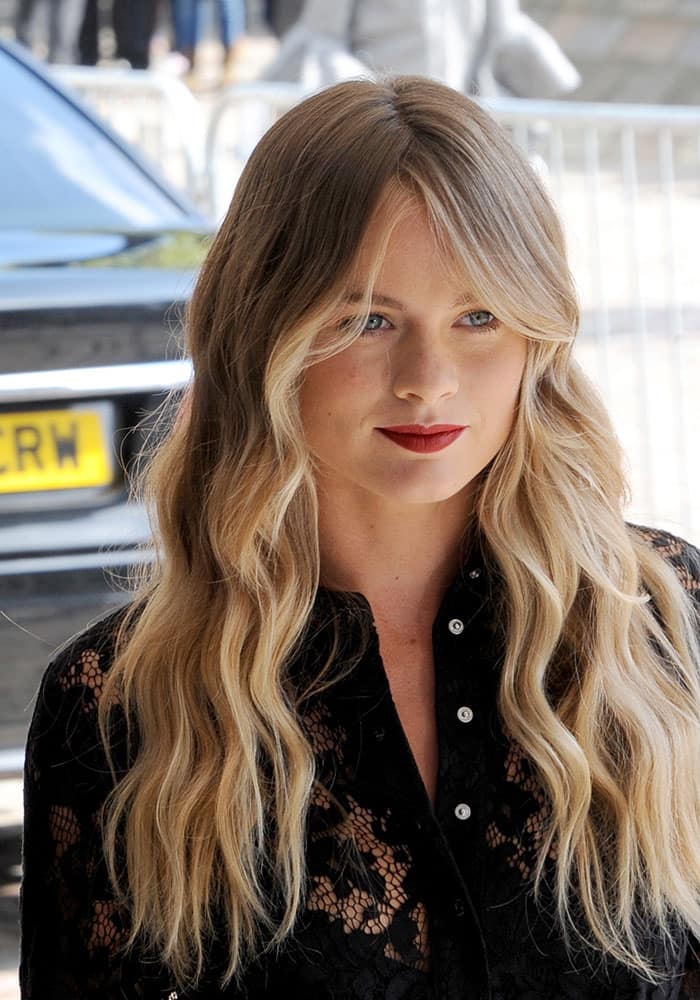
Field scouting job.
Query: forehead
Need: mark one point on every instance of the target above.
(402, 226)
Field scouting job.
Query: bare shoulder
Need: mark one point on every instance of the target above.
(682, 555)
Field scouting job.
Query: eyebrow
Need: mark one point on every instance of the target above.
(386, 300)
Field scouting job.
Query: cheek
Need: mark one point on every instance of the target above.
(497, 379)
(331, 397)
(338, 385)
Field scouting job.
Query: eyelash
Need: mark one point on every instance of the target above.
(488, 327)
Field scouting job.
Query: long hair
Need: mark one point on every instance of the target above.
(600, 679)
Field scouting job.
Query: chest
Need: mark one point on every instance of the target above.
(410, 670)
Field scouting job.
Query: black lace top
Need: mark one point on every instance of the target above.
(445, 909)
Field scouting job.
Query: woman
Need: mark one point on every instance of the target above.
(405, 709)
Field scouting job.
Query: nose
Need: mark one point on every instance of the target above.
(422, 368)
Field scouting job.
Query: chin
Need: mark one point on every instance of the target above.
(425, 494)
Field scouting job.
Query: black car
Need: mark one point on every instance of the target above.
(98, 257)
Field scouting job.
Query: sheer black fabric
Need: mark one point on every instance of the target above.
(445, 909)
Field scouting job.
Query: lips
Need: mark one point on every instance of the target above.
(416, 437)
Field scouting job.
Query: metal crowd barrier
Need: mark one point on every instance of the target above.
(154, 111)
(625, 179)
(237, 120)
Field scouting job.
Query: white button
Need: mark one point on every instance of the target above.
(462, 811)
(474, 574)
(465, 714)
(456, 626)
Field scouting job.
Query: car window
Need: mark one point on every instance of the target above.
(58, 171)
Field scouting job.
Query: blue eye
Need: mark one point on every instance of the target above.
(481, 319)
(374, 323)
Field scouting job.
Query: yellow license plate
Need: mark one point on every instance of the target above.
(54, 450)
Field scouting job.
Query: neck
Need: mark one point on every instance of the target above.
(401, 558)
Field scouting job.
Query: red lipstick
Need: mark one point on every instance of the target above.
(416, 437)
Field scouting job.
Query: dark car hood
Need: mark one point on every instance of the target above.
(42, 289)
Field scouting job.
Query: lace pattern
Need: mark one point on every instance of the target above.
(86, 675)
(337, 893)
(523, 845)
(362, 887)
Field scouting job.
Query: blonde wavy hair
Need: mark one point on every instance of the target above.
(600, 683)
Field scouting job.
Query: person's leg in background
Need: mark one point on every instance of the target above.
(232, 14)
(282, 14)
(24, 17)
(65, 22)
(134, 21)
(87, 44)
(186, 27)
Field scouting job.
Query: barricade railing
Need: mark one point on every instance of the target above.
(237, 120)
(625, 181)
(154, 111)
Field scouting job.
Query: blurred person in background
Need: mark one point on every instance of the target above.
(488, 47)
(64, 24)
(187, 18)
(73, 27)
(133, 22)
(275, 16)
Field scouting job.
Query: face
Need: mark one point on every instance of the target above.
(416, 407)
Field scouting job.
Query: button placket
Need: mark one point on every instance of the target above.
(456, 627)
